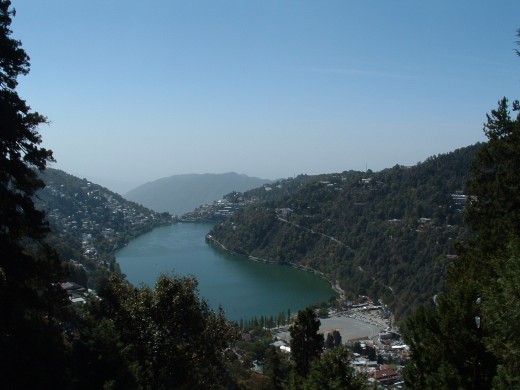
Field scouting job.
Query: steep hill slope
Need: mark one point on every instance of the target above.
(388, 234)
(89, 223)
(179, 194)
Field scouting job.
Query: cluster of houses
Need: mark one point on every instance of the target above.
(385, 371)
(220, 209)
(385, 361)
(380, 358)
(96, 217)
(77, 294)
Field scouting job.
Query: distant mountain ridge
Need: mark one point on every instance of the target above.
(179, 194)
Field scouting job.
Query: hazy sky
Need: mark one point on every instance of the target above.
(138, 90)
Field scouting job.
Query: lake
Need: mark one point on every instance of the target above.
(244, 288)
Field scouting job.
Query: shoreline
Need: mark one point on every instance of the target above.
(334, 286)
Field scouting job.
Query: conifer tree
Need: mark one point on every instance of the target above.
(469, 339)
(501, 316)
(494, 211)
(306, 342)
(31, 339)
(332, 371)
(329, 341)
(169, 333)
(454, 344)
(274, 369)
(337, 338)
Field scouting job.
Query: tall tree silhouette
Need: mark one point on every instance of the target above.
(31, 342)
(306, 342)
(453, 344)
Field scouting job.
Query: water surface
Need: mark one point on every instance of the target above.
(244, 288)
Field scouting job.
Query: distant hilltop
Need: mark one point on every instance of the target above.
(179, 194)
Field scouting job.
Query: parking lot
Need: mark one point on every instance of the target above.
(349, 326)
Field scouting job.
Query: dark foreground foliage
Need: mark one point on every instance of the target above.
(165, 338)
(168, 338)
(31, 304)
(469, 339)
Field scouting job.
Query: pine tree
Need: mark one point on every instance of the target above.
(469, 339)
(274, 369)
(332, 371)
(501, 315)
(31, 301)
(329, 341)
(453, 344)
(306, 342)
(169, 333)
(494, 211)
(337, 338)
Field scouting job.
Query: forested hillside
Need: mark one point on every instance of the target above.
(89, 223)
(388, 234)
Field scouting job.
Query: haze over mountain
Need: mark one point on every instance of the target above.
(179, 194)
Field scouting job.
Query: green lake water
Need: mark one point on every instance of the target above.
(244, 288)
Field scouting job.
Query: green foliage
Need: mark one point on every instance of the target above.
(446, 345)
(276, 368)
(337, 338)
(98, 357)
(332, 371)
(329, 341)
(333, 340)
(32, 306)
(89, 223)
(263, 322)
(170, 335)
(362, 229)
(501, 316)
(495, 213)
(450, 348)
(306, 342)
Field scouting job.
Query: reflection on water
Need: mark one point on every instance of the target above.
(244, 288)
